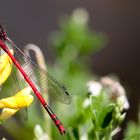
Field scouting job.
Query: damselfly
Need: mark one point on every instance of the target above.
(30, 70)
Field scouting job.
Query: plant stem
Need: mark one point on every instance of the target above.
(96, 135)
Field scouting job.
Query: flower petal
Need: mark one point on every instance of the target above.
(23, 98)
(5, 73)
(20, 100)
(4, 59)
(94, 88)
(5, 67)
(7, 113)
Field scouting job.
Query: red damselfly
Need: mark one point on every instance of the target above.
(30, 70)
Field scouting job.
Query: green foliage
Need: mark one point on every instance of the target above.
(133, 130)
(106, 116)
(73, 44)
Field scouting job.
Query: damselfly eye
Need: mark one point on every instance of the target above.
(2, 33)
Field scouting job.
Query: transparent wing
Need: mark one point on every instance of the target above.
(43, 81)
(12, 86)
(17, 87)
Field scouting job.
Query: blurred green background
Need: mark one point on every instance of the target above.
(34, 21)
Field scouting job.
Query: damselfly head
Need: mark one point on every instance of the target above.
(2, 33)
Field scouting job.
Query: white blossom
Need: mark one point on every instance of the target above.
(94, 88)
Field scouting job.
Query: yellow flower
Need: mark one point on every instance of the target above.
(7, 113)
(12, 104)
(5, 67)
(20, 100)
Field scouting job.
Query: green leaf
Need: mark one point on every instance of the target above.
(108, 115)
